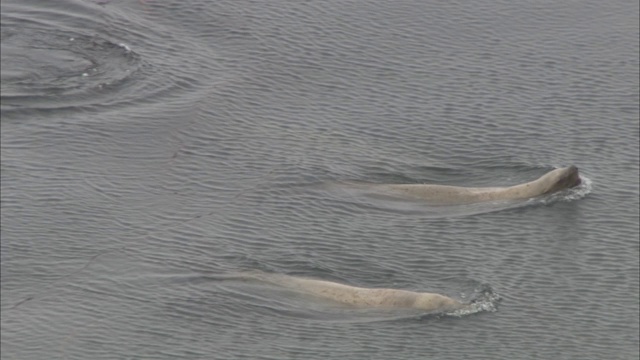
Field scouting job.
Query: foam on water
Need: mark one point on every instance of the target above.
(484, 300)
(575, 193)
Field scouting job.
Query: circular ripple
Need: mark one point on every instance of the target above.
(49, 67)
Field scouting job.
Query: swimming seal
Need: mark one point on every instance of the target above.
(550, 182)
(358, 296)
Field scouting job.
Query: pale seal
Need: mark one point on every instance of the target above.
(550, 182)
(358, 296)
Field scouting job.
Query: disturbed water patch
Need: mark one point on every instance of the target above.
(51, 68)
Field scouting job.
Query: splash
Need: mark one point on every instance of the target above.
(484, 299)
(572, 194)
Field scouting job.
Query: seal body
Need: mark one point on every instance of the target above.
(551, 182)
(359, 296)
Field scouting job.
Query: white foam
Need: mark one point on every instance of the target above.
(572, 194)
(488, 302)
(125, 47)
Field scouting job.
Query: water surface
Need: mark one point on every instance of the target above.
(146, 145)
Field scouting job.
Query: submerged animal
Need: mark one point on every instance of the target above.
(358, 296)
(553, 181)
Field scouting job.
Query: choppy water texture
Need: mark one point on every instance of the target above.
(149, 146)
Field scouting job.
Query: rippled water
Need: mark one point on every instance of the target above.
(148, 145)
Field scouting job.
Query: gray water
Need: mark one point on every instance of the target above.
(150, 146)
